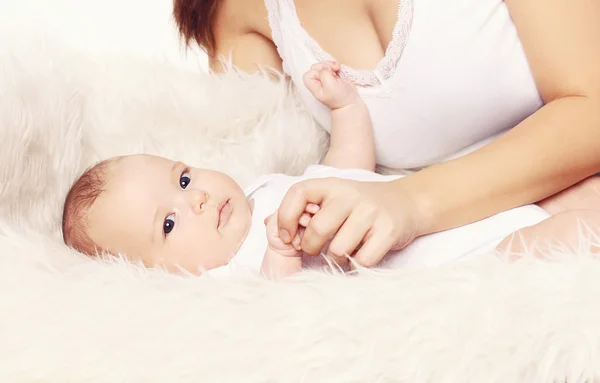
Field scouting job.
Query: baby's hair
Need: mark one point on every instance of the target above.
(80, 198)
(195, 21)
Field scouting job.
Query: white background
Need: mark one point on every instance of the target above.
(137, 27)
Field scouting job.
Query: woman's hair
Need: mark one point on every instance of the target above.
(195, 19)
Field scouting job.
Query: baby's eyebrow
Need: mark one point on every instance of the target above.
(174, 175)
(175, 166)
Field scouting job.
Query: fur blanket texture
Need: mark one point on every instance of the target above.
(67, 318)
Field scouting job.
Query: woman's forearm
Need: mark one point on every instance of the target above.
(551, 150)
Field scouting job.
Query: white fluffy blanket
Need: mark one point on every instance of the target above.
(67, 318)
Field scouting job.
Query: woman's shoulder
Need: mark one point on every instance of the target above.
(236, 17)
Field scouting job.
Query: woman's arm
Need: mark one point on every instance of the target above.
(241, 35)
(248, 52)
(551, 150)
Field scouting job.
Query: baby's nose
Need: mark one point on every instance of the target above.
(199, 201)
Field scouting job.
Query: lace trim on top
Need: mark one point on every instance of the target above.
(386, 67)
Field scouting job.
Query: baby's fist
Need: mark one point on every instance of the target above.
(327, 86)
(275, 242)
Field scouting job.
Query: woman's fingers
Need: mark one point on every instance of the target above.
(376, 246)
(349, 237)
(356, 218)
(294, 204)
(324, 225)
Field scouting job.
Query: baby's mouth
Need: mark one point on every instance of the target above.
(223, 213)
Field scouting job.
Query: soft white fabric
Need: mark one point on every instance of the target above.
(68, 318)
(465, 242)
(460, 78)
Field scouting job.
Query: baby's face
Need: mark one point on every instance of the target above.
(166, 213)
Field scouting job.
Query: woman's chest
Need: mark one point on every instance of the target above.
(355, 32)
(462, 78)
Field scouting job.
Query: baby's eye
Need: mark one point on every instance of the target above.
(169, 224)
(185, 178)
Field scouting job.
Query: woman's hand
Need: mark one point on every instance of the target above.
(365, 219)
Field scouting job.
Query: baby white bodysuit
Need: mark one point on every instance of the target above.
(476, 239)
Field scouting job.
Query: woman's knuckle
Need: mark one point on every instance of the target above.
(392, 235)
(354, 194)
(372, 209)
(318, 228)
(298, 190)
(387, 229)
(367, 211)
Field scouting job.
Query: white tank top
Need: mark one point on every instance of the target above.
(454, 77)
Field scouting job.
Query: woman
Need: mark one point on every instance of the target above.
(493, 104)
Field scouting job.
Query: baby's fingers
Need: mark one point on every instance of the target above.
(329, 80)
(297, 241)
(313, 82)
(304, 219)
(312, 208)
(334, 65)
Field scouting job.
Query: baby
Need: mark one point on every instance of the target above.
(165, 213)
(171, 215)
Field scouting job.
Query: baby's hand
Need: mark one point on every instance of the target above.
(292, 249)
(327, 86)
(275, 242)
(281, 259)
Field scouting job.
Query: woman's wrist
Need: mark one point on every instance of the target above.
(422, 206)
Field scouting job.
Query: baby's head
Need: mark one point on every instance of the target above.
(157, 211)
